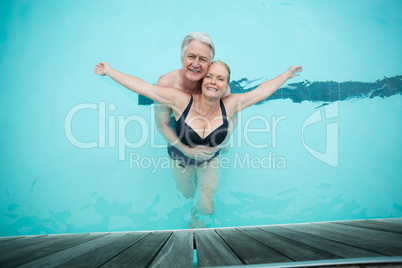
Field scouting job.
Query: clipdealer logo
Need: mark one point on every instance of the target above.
(108, 124)
(331, 154)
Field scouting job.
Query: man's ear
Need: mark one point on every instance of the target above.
(182, 60)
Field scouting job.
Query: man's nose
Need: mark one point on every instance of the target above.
(196, 62)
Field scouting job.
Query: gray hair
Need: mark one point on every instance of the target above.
(202, 37)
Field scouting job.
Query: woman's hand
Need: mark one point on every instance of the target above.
(294, 71)
(102, 68)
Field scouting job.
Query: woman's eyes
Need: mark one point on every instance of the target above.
(220, 79)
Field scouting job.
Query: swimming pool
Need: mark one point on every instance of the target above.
(330, 149)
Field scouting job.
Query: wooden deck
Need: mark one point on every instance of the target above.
(362, 243)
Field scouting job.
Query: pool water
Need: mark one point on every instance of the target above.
(80, 154)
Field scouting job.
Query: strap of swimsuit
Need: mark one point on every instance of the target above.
(185, 113)
(223, 111)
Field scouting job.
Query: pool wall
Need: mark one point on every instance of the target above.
(67, 165)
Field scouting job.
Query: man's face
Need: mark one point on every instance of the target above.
(196, 60)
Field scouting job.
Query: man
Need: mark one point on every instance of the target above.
(197, 52)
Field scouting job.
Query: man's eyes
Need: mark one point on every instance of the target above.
(201, 59)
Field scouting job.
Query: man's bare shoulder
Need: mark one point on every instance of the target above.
(171, 79)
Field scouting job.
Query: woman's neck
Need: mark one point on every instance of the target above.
(206, 106)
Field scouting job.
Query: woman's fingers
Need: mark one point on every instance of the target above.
(99, 69)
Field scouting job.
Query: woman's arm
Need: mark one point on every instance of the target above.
(242, 101)
(163, 95)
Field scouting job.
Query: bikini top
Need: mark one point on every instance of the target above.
(190, 137)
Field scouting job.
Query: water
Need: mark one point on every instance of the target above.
(49, 49)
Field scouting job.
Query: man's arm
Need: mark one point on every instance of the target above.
(163, 118)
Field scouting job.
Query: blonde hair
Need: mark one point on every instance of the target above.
(224, 65)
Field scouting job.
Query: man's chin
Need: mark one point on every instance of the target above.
(194, 77)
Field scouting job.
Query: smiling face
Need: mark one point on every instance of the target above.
(196, 60)
(216, 80)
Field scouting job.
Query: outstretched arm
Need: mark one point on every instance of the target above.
(167, 96)
(242, 101)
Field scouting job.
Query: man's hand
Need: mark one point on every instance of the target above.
(199, 152)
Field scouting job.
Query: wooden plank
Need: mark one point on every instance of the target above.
(8, 238)
(248, 249)
(350, 239)
(341, 250)
(106, 251)
(48, 245)
(213, 251)
(393, 224)
(374, 225)
(293, 250)
(397, 221)
(142, 253)
(177, 252)
(14, 244)
(381, 237)
(69, 254)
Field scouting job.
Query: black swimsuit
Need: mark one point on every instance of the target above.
(188, 136)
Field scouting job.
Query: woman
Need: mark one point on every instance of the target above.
(201, 119)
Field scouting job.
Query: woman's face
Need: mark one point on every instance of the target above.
(215, 81)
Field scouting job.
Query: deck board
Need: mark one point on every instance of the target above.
(250, 250)
(397, 221)
(13, 244)
(291, 249)
(46, 246)
(335, 248)
(213, 251)
(9, 238)
(301, 244)
(178, 251)
(390, 242)
(100, 254)
(142, 253)
(374, 225)
(349, 238)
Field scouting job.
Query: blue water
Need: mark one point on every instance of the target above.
(48, 50)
